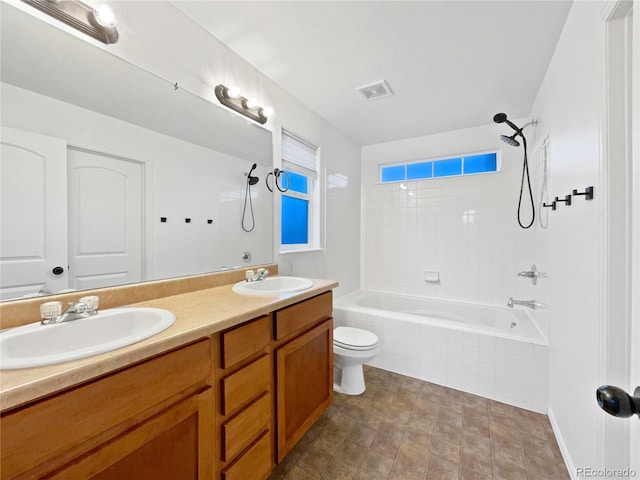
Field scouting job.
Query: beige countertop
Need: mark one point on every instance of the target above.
(198, 314)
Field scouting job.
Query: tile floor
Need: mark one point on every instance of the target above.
(402, 428)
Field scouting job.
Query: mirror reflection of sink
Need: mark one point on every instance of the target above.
(273, 285)
(35, 345)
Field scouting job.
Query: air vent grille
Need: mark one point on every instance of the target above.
(375, 90)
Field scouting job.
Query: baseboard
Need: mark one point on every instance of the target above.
(563, 447)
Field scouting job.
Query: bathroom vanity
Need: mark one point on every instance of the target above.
(225, 393)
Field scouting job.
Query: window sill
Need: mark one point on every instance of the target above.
(303, 250)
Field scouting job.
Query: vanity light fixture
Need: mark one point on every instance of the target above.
(99, 22)
(231, 97)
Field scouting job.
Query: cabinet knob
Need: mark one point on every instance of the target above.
(58, 270)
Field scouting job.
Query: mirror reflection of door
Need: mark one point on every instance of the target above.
(105, 219)
(33, 213)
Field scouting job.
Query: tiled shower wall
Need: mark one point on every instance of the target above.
(463, 227)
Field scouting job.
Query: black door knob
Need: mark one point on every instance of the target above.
(58, 270)
(615, 401)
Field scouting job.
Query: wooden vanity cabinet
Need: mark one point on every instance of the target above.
(273, 392)
(142, 422)
(245, 401)
(226, 407)
(304, 367)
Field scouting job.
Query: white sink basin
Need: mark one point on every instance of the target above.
(273, 285)
(35, 345)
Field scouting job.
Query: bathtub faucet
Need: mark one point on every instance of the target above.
(525, 303)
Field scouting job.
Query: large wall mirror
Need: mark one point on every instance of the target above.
(112, 175)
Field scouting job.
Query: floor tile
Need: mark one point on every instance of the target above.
(402, 428)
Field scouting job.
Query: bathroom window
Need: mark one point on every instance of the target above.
(441, 167)
(299, 216)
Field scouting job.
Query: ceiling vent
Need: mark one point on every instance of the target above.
(375, 90)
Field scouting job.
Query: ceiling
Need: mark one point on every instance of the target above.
(450, 64)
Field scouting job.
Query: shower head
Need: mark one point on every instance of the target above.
(250, 179)
(510, 140)
(502, 118)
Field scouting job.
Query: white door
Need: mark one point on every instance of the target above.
(105, 220)
(33, 213)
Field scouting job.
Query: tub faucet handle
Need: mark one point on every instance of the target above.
(533, 274)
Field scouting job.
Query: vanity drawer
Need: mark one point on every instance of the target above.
(254, 464)
(244, 428)
(246, 384)
(303, 314)
(244, 341)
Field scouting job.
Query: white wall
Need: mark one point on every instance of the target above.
(198, 61)
(569, 110)
(172, 46)
(464, 227)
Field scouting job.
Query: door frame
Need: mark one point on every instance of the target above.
(620, 331)
(634, 374)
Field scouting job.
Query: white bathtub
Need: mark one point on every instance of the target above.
(497, 352)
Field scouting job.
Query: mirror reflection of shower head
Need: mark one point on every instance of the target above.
(252, 180)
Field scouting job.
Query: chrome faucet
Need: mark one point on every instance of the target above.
(51, 312)
(525, 303)
(259, 274)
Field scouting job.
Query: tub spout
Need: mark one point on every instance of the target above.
(525, 303)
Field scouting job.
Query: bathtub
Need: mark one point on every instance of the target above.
(496, 352)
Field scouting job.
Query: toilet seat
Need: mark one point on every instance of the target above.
(351, 338)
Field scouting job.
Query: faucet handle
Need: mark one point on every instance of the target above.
(50, 310)
(92, 302)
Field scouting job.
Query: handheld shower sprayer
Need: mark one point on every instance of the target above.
(511, 140)
(252, 180)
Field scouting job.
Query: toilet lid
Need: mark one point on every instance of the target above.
(354, 338)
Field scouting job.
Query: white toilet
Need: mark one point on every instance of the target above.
(352, 347)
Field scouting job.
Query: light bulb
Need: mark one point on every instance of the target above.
(267, 111)
(105, 17)
(252, 102)
(234, 91)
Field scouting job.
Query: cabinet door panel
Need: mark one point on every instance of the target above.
(88, 410)
(176, 443)
(305, 383)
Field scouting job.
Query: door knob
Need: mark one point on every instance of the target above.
(57, 270)
(615, 401)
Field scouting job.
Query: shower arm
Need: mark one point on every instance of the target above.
(533, 122)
